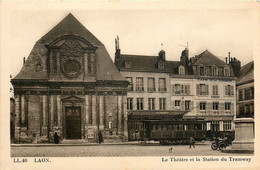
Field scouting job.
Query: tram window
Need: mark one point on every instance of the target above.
(169, 127)
(154, 127)
(175, 127)
(180, 127)
(136, 126)
(185, 127)
(191, 127)
(159, 127)
(164, 127)
(198, 127)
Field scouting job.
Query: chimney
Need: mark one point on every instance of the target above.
(228, 57)
(118, 51)
(23, 60)
(185, 57)
(226, 60)
(236, 66)
(162, 55)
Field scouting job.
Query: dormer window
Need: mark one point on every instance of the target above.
(214, 71)
(202, 70)
(181, 70)
(127, 64)
(226, 72)
(160, 65)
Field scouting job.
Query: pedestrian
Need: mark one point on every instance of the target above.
(100, 137)
(56, 138)
(192, 142)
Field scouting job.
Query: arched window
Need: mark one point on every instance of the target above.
(181, 70)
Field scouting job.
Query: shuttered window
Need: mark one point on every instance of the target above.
(202, 89)
(215, 90)
(139, 84)
(151, 84)
(140, 103)
(229, 90)
(162, 84)
(162, 103)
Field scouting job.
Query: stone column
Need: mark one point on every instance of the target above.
(244, 134)
(58, 63)
(59, 111)
(51, 112)
(119, 109)
(17, 118)
(44, 126)
(94, 111)
(22, 111)
(101, 112)
(51, 63)
(125, 117)
(87, 110)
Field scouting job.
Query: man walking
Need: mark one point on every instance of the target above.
(192, 142)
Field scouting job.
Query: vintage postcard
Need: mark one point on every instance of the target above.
(129, 85)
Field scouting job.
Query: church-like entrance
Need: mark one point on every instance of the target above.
(73, 122)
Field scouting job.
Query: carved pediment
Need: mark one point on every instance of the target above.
(72, 99)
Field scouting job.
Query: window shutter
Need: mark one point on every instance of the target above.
(173, 88)
(198, 70)
(198, 89)
(232, 108)
(182, 105)
(232, 90)
(205, 71)
(226, 90)
(221, 108)
(207, 89)
(208, 107)
(198, 107)
(188, 89)
(182, 89)
(216, 89)
(191, 105)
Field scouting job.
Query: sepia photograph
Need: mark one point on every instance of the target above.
(166, 81)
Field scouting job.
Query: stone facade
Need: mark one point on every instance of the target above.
(69, 86)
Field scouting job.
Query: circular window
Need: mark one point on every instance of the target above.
(72, 68)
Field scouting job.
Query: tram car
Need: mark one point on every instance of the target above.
(167, 127)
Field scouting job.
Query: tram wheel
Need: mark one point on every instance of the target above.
(222, 146)
(214, 146)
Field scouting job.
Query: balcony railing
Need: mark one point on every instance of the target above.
(150, 89)
(162, 89)
(139, 88)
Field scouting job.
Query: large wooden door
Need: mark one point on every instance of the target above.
(73, 123)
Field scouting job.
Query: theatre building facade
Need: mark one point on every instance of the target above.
(69, 85)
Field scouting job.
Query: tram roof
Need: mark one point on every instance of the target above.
(155, 114)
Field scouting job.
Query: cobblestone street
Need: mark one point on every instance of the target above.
(108, 150)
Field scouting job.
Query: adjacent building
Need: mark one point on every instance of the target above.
(149, 78)
(245, 91)
(205, 85)
(69, 85)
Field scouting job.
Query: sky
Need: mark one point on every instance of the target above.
(141, 29)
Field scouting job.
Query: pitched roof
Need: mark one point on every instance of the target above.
(106, 70)
(70, 26)
(246, 73)
(208, 59)
(144, 63)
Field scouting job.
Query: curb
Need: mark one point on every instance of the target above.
(250, 151)
(79, 144)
